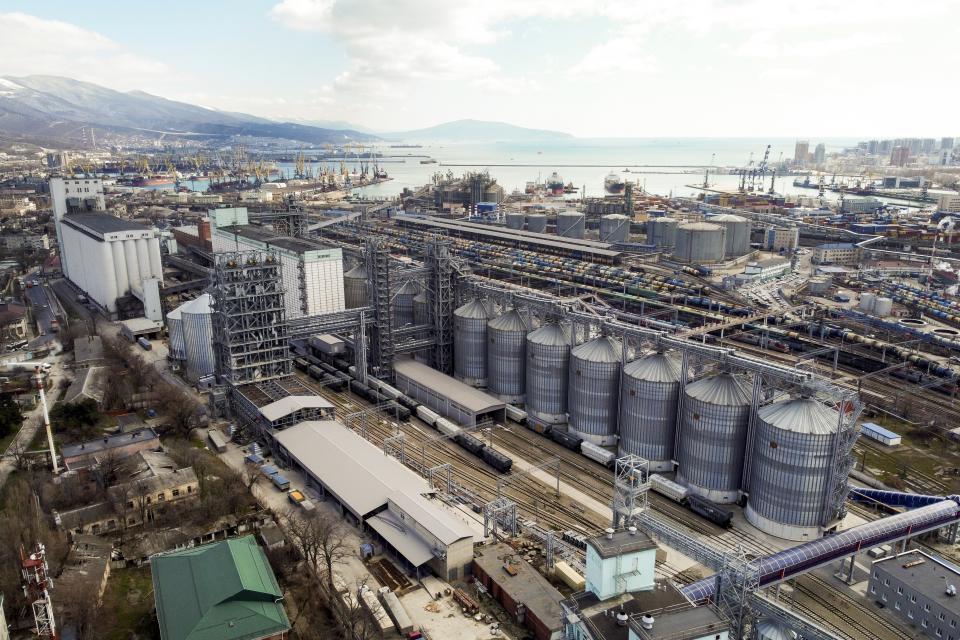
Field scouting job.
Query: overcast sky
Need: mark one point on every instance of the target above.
(643, 68)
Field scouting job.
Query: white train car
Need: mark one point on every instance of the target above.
(447, 428)
(598, 454)
(517, 415)
(427, 415)
(668, 488)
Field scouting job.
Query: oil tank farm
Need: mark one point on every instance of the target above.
(470, 342)
(614, 228)
(662, 232)
(713, 434)
(793, 456)
(700, 242)
(571, 224)
(355, 287)
(547, 371)
(403, 303)
(649, 392)
(515, 221)
(506, 356)
(594, 390)
(537, 222)
(736, 236)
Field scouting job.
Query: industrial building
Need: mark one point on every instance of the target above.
(381, 493)
(110, 259)
(448, 396)
(783, 239)
(920, 589)
(841, 253)
(74, 195)
(312, 274)
(767, 269)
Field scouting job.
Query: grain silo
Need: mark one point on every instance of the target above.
(421, 308)
(175, 330)
(614, 228)
(700, 242)
(506, 356)
(470, 342)
(737, 235)
(515, 221)
(402, 303)
(649, 391)
(197, 319)
(594, 390)
(537, 222)
(547, 371)
(662, 232)
(571, 224)
(713, 435)
(355, 287)
(791, 467)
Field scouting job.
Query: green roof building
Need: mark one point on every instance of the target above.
(220, 591)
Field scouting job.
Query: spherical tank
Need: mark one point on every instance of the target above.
(548, 363)
(737, 235)
(470, 342)
(662, 232)
(614, 228)
(790, 469)
(571, 224)
(716, 414)
(514, 221)
(403, 303)
(506, 356)
(537, 222)
(649, 391)
(594, 390)
(700, 242)
(355, 287)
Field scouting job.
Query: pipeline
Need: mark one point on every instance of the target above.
(810, 555)
(895, 498)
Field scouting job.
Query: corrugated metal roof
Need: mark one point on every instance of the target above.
(802, 415)
(474, 309)
(602, 349)
(550, 334)
(700, 226)
(726, 217)
(723, 389)
(466, 396)
(509, 321)
(656, 367)
(432, 517)
(358, 272)
(197, 306)
(285, 406)
(102, 222)
(409, 287)
(408, 544)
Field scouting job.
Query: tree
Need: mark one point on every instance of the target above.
(10, 417)
(183, 412)
(321, 540)
(75, 418)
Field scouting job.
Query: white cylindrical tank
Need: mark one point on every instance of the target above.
(614, 228)
(120, 267)
(700, 242)
(156, 264)
(737, 236)
(883, 307)
(143, 258)
(197, 323)
(867, 301)
(175, 331)
(133, 265)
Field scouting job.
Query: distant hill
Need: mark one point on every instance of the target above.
(53, 107)
(337, 125)
(477, 131)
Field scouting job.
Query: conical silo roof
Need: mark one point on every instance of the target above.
(656, 367)
(509, 321)
(722, 389)
(474, 309)
(409, 288)
(551, 335)
(359, 272)
(801, 415)
(602, 349)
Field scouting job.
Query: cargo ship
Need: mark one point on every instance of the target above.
(555, 184)
(151, 181)
(614, 184)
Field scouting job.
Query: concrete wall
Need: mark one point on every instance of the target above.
(607, 577)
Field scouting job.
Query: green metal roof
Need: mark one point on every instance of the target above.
(220, 591)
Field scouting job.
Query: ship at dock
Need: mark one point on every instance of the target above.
(555, 185)
(614, 184)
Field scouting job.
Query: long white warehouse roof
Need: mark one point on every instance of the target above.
(463, 394)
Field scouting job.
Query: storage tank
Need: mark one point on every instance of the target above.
(355, 287)
(547, 371)
(571, 224)
(700, 242)
(594, 390)
(819, 286)
(197, 320)
(175, 330)
(649, 391)
(713, 435)
(790, 468)
(770, 630)
(537, 222)
(403, 303)
(515, 221)
(421, 308)
(867, 302)
(662, 232)
(506, 356)
(614, 228)
(883, 307)
(470, 342)
(736, 236)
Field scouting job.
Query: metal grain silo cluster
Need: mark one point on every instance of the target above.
(593, 393)
(736, 236)
(793, 457)
(614, 228)
(548, 363)
(713, 435)
(506, 356)
(649, 392)
(355, 287)
(470, 342)
(700, 242)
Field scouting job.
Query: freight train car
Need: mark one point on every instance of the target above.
(709, 510)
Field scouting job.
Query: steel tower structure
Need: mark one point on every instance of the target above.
(36, 587)
(440, 299)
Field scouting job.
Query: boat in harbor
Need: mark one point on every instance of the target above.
(570, 188)
(428, 161)
(555, 184)
(614, 184)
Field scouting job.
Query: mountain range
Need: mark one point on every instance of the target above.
(53, 108)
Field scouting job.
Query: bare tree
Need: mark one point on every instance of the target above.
(183, 412)
(321, 540)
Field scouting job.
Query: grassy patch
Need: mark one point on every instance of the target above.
(128, 605)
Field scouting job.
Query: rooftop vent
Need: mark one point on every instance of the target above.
(646, 622)
(609, 533)
(951, 589)
(632, 530)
